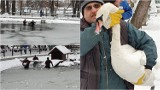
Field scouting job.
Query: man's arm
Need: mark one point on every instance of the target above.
(88, 39)
(127, 10)
(142, 41)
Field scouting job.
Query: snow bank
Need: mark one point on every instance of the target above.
(66, 63)
(9, 64)
(55, 62)
(16, 62)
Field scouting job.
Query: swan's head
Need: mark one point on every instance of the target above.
(103, 17)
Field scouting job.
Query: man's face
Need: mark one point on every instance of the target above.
(90, 11)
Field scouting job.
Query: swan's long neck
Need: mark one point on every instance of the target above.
(116, 40)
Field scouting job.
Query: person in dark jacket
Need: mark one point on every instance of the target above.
(41, 13)
(26, 63)
(47, 63)
(32, 23)
(96, 71)
(35, 63)
(24, 22)
(35, 57)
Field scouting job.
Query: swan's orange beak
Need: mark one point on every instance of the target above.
(98, 26)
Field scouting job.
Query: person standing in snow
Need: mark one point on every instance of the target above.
(26, 63)
(47, 63)
(41, 13)
(96, 71)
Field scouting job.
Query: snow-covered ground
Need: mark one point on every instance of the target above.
(16, 18)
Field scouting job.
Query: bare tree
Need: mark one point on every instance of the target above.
(52, 7)
(75, 6)
(13, 7)
(78, 8)
(140, 13)
(3, 6)
(21, 2)
(7, 6)
(27, 3)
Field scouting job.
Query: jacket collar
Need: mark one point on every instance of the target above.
(84, 24)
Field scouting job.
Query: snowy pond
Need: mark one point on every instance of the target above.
(13, 28)
(45, 33)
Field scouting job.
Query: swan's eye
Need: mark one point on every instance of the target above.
(108, 18)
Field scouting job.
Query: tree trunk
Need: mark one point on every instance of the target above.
(57, 3)
(13, 7)
(140, 13)
(7, 6)
(3, 6)
(76, 7)
(41, 4)
(144, 23)
(21, 7)
(52, 7)
(27, 3)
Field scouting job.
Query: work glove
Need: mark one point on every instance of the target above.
(147, 78)
(140, 80)
(116, 17)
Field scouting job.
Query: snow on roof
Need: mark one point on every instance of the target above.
(63, 49)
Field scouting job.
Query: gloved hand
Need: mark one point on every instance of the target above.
(140, 80)
(146, 79)
(116, 17)
(149, 78)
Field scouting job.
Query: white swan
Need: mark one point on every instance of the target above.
(127, 62)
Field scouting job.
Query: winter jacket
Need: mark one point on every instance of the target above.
(47, 63)
(35, 58)
(26, 63)
(127, 10)
(93, 71)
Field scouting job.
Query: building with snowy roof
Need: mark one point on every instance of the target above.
(59, 52)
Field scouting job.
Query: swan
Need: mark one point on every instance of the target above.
(126, 61)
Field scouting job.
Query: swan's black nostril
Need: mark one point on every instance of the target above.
(99, 18)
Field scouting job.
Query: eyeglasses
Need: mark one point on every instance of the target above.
(96, 6)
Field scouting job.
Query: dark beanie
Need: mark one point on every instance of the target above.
(85, 2)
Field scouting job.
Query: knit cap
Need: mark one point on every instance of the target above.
(85, 2)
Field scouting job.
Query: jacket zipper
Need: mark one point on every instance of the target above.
(104, 58)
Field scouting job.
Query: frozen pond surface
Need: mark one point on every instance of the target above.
(55, 78)
(50, 33)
